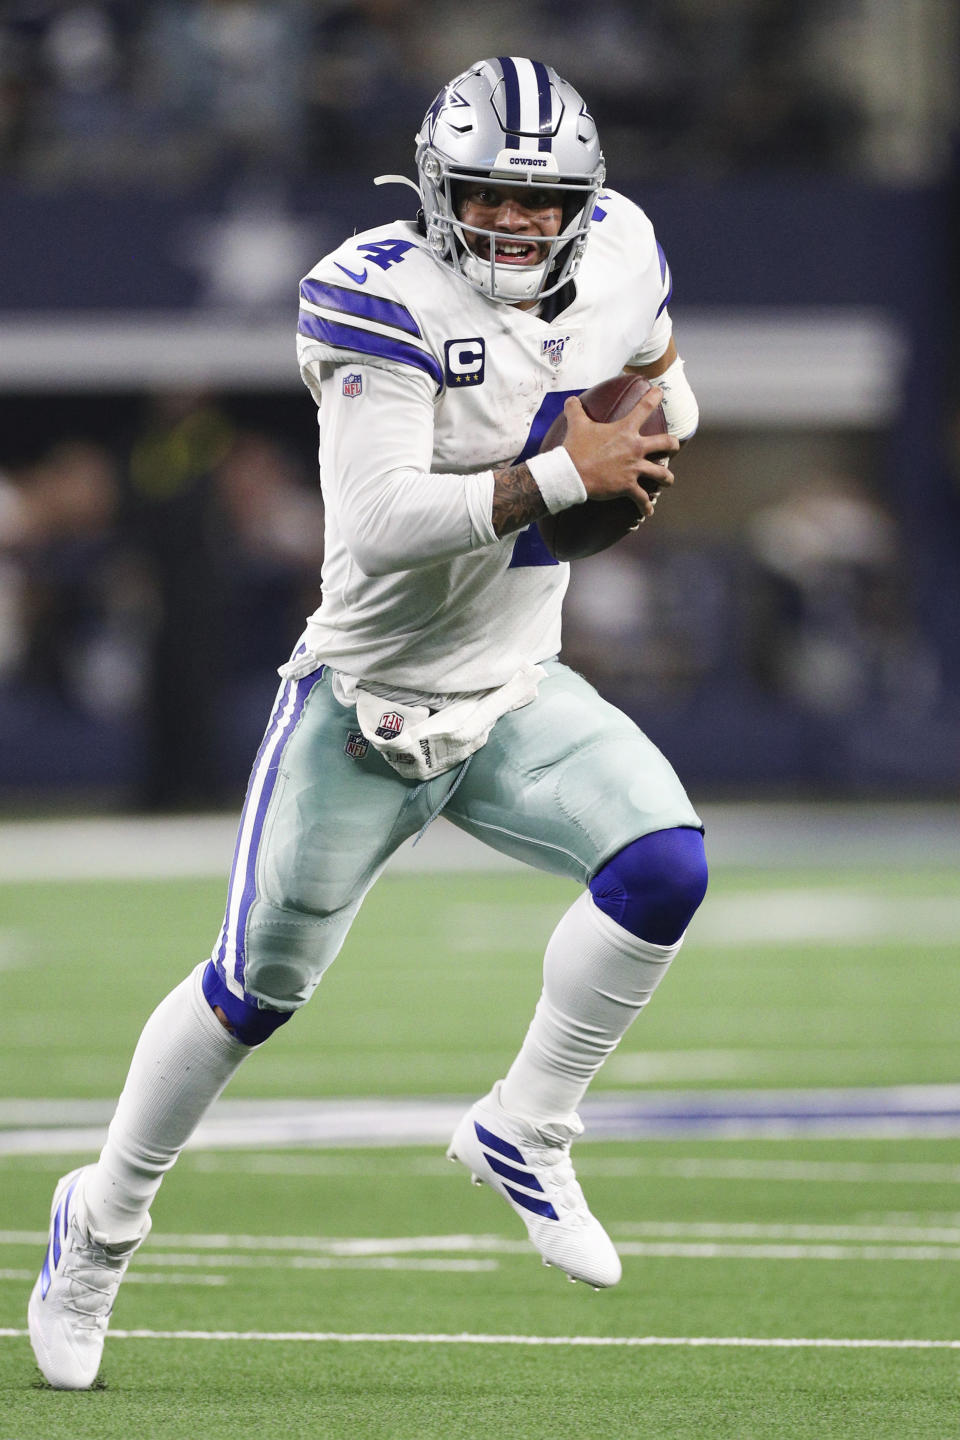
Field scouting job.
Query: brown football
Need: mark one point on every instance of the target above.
(591, 527)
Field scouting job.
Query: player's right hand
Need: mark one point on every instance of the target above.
(613, 458)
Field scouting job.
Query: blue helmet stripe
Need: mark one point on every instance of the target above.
(530, 1202)
(512, 96)
(349, 337)
(355, 302)
(546, 104)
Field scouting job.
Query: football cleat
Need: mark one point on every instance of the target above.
(71, 1302)
(529, 1165)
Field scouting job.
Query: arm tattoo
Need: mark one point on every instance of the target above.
(517, 499)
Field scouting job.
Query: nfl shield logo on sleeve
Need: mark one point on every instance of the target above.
(353, 385)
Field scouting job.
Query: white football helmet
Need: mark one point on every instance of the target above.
(516, 122)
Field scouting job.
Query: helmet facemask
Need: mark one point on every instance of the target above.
(451, 238)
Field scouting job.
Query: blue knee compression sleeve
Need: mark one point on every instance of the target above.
(653, 885)
(247, 1021)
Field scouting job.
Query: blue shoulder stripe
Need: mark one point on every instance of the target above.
(666, 275)
(666, 299)
(355, 302)
(365, 342)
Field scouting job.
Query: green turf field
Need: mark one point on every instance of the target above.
(418, 1308)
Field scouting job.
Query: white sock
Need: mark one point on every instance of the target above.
(183, 1059)
(597, 977)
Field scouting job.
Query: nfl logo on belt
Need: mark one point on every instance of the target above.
(390, 724)
(353, 385)
(357, 744)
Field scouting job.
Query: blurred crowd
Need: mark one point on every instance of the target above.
(808, 608)
(145, 584)
(176, 92)
(152, 587)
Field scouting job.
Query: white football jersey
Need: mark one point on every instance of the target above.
(424, 386)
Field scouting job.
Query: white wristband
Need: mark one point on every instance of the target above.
(558, 479)
(680, 406)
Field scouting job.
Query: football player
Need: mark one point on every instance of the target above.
(438, 352)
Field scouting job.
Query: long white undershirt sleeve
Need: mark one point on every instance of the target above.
(391, 511)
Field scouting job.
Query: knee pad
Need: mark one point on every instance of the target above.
(653, 886)
(250, 1024)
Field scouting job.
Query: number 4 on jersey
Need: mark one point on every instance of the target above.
(381, 252)
(529, 548)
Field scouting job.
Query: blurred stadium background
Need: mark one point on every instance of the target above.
(169, 169)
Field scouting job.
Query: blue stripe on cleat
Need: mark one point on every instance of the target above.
(530, 1202)
(494, 1142)
(510, 1172)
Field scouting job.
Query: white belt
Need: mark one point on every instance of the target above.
(420, 743)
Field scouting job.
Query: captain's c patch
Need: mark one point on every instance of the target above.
(464, 361)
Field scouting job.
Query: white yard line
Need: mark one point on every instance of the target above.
(691, 1250)
(321, 1262)
(343, 1246)
(714, 1241)
(650, 1250)
(136, 1276)
(374, 1337)
(751, 1230)
(857, 1172)
(275, 1262)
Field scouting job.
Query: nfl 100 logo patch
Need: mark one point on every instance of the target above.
(353, 385)
(390, 724)
(357, 744)
(552, 348)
